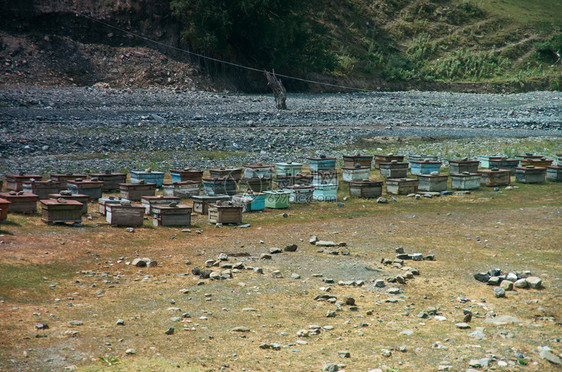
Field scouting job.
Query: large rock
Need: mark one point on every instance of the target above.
(499, 292)
(552, 358)
(534, 282)
(521, 283)
(482, 277)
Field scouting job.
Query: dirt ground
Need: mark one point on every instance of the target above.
(77, 280)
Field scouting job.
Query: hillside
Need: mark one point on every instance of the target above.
(395, 44)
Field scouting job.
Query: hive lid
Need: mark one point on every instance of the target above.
(60, 201)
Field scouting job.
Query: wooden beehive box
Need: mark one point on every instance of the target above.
(277, 199)
(503, 163)
(461, 166)
(530, 174)
(288, 169)
(67, 195)
(350, 161)
(219, 186)
(528, 156)
(554, 173)
(324, 178)
(182, 175)
(171, 215)
(147, 176)
(365, 189)
(393, 169)
(64, 178)
(234, 173)
(495, 177)
(298, 179)
(225, 213)
(416, 157)
(92, 188)
(322, 164)
(20, 202)
(149, 201)
(559, 160)
(466, 181)
(432, 182)
(424, 166)
(259, 170)
(201, 203)
(401, 186)
(542, 162)
(135, 191)
(61, 211)
(325, 193)
(4, 209)
(104, 202)
(14, 182)
(110, 180)
(256, 184)
(250, 202)
(381, 158)
(184, 189)
(124, 214)
(355, 173)
(300, 194)
(42, 188)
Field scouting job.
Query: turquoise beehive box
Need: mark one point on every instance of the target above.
(288, 169)
(322, 164)
(148, 176)
(424, 166)
(277, 199)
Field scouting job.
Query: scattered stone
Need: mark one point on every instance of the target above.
(130, 351)
(295, 276)
(551, 357)
(330, 367)
(42, 326)
(241, 329)
(494, 280)
(417, 257)
(276, 274)
(120, 322)
(76, 322)
(379, 283)
(344, 354)
(478, 333)
(331, 314)
(499, 292)
(467, 316)
(290, 248)
(265, 256)
(386, 353)
(482, 277)
(275, 250)
(382, 200)
(393, 290)
(313, 239)
(399, 250)
(534, 282)
(170, 331)
(326, 243)
(130, 230)
(506, 285)
(521, 283)
(502, 320)
(462, 325)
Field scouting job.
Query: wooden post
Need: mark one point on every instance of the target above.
(278, 89)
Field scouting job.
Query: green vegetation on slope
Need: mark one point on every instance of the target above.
(422, 40)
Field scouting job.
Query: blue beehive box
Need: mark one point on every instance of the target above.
(288, 169)
(148, 177)
(250, 202)
(325, 193)
(424, 166)
(322, 164)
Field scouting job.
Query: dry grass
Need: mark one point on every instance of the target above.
(514, 230)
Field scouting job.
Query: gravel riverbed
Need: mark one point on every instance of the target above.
(77, 129)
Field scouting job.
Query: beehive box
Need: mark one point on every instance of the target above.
(64, 178)
(4, 209)
(542, 162)
(393, 169)
(104, 202)
(324, 178)
(91, 188)
(42, 188)
(416, 157)
(187, 174)
(530, 174)
(350, 161)
(387, 159)
(259, 170)
(432, 182)
(124, 215)
(256, 184)
(67, 195)
(554, 173)
(424, 166)
(559, 160)
(495, 177)
(219, 186)
(201, 203)
(20, 202)
(234, 173)
(401, 186)
(135, 191)
(110, 180)
(184, 189)
(250, 202)
(325, 193)
(528, 155)
(166, 215)
(288, 169)
(461, 166)
(466, 181)
(14, 182)
(504, 163)
(147, 176)
(299, 179)
(225, 213)
(365, 189)
(355, 174)
(61, 211)
(300, 194)
(322, 164)
(149, 201)
(277, 199)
